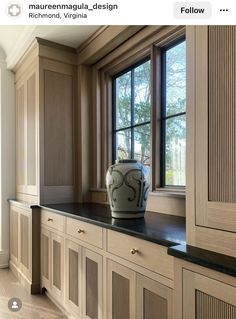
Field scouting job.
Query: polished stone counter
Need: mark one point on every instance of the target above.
(205, 258)
(166, 230)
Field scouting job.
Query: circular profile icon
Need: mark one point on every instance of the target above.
(14, 10)
(14, 304)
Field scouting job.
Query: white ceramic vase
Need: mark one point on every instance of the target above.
(128, 184)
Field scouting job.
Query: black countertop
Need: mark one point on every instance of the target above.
(205, 258)
(166, 230)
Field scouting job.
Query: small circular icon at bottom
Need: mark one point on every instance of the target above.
(14, 304)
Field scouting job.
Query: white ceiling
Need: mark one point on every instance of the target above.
(14, 40)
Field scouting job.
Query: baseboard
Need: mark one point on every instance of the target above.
(4, 259)
(32, 288)
(57, 303)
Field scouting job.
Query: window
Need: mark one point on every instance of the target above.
(131, 113)
(173, 115)
(132, 135)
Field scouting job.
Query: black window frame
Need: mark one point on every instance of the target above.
(163, 117)
(132, 126)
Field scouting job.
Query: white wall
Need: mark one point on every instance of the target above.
(7, 154)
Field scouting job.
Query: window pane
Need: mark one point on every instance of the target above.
(123, 100)
(142, 95)
(176, 79)
(142, 144)
(175, 151)
(123, 144)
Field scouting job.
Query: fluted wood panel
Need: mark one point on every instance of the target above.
(45, 256)
(120, 297)
(14, 233)
(57, 264)
(222, 113)
(208, 307)
(154, 306)
(24, 243)
(73, 276)
(20, 132)
(31, 131)
(91, 289)
(58, 125)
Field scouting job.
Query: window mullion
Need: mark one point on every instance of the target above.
(132, 113)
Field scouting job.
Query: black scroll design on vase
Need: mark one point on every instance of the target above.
(115, 181)
(134, 178)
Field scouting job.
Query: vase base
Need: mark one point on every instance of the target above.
(127, 215)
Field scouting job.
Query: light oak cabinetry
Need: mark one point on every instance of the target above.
(45, 132)
(25, 245)
(203, 294)
(211, 178)
(97, 280)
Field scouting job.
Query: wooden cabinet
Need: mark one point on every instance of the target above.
(57, 266)
(73, 278)
(154, 300)
(45, 258)
(134, 296)
(211, 131)
(45, 130)
(83, 271)
(24, 245)
(26, 133)
(92, 276)
(206, 298)
(121, 282)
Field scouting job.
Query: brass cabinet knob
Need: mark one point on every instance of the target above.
(50, 220)
(133, 251)
(80, 231)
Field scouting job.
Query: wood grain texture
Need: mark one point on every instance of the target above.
(24, 242)
(149, 255)
(208, 307)
(56, 264)
(120, 297)
(91, 288)
(73, 276)
(58, 126)
(20, 135)
(222, 113)
(154, 306)
(31, 130)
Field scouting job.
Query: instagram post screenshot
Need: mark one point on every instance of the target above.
(117, 159)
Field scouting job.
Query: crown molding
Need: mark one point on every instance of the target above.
(21, 45)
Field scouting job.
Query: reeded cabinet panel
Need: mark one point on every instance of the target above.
(58, 125)
(121, 289)
(31, 135)
(20, 138)
(45, 258)
(24, 240)
(215, 131)
(14, 233)
(154, 300)
(73, 282)
(57, 266)
(92, 285)
(206, 298)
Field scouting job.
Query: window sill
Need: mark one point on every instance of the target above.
(169, 192)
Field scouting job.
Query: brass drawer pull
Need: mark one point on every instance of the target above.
(133, 251)
(50, 220)
(80, 231)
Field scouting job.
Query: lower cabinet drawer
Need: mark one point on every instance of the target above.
(86, 232)
(55, 221)
(141, 252)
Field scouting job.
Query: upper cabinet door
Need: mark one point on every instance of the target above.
(215, 120)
